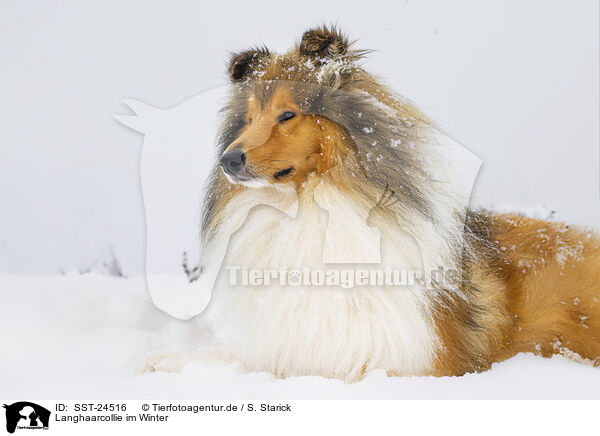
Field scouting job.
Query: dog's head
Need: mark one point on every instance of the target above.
(312, 109)
(280, 128)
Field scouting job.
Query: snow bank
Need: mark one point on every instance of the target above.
(88, 336)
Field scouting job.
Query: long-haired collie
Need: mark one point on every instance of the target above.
(313, 150)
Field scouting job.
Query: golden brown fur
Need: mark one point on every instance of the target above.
(534, 287)
(553, 276)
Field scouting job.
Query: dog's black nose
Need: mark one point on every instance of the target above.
(233, 161)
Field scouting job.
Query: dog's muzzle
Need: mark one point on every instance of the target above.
(233, 162)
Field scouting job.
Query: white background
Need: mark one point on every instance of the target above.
(516, 82)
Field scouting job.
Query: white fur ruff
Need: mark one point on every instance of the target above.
(332, 332)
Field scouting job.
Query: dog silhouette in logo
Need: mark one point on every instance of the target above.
(36, 416)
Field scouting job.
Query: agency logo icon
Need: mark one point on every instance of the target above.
(26, 415)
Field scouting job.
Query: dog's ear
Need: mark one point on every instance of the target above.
(241, 64)
(324, 42)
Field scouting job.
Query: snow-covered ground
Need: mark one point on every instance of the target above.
(89, 336)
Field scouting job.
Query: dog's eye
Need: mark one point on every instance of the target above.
(287, 115)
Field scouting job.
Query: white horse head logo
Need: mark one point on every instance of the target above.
(177, 156)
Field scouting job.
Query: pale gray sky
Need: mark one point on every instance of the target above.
(515, 82)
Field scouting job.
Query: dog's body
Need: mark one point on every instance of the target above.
(309, 132)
